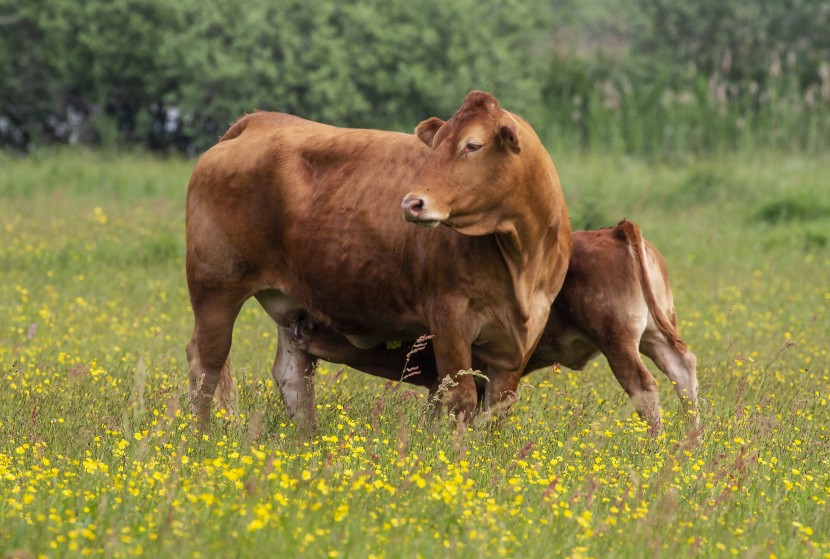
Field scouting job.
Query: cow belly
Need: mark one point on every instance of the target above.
(366, 314)
(570, 349)
(365, 342)
(287, 312)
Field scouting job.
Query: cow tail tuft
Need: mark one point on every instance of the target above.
(628, 232)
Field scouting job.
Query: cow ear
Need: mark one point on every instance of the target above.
(427, 129)
(509, 137)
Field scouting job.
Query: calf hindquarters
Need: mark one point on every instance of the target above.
(617, 300)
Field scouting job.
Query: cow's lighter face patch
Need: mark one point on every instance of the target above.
(472, 142)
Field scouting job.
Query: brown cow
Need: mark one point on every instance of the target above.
(616, 299)
(306, 218)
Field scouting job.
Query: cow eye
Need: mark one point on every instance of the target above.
(470, 147)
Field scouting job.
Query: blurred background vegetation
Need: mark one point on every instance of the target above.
(656, 78)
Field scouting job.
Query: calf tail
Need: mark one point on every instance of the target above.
(629, 233)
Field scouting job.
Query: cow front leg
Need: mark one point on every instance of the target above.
(501, 391)
(456, 392)
(293, 373)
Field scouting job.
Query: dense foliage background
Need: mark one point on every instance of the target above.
(653, 77)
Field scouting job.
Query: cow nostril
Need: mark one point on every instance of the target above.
(413, 205)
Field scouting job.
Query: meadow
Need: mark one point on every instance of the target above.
(98, 455)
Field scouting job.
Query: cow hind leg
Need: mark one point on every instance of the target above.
(638, 383)
(293, 373)
(208, 350)
(681, 368)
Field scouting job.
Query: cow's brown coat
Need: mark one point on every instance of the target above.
(306, 218)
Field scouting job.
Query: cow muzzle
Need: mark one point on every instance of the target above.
(419, 209)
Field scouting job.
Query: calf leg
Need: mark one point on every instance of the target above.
(293, 373)
(208, 349)
(637, 381)
(680, 367)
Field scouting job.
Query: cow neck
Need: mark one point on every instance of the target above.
(526, 239)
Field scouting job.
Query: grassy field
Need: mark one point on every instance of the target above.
(98, 457)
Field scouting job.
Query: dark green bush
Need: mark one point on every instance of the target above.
(654, 77)
(793, 208)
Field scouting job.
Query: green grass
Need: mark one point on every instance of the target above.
(97, 454)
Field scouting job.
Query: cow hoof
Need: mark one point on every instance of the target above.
(460, 400)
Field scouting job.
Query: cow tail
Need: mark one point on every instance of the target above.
(226, 394)
(629, 233)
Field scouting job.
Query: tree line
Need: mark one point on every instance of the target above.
(654, 77)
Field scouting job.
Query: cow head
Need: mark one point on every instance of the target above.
(476, 166)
